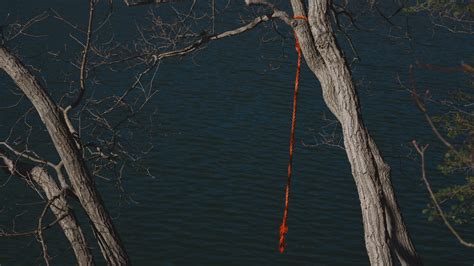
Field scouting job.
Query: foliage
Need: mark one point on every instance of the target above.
(457, 9)
(458, 123)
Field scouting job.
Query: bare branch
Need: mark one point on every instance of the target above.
(421, 151)
(18, 29)
(422, 107)
(26, 156)
(58, 204)
(205, 39)
(81, 180)
(147, 2)
(85, 53)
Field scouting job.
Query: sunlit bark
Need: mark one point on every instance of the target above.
(79, 176)
(385, 230)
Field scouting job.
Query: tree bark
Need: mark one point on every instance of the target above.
(384, 228)
(59, 207)
(79, 176)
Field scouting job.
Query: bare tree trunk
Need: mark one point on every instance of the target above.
(59, 207)
(79, 176)
(385, 230)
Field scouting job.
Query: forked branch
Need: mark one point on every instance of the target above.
(421, 151)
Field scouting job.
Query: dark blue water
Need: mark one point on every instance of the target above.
(220, 138)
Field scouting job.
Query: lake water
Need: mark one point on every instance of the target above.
(220, 141)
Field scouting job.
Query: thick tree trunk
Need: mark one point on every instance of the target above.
(385, 230)
(59, 207)
(79, 176)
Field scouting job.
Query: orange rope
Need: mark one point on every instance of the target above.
(284, 226)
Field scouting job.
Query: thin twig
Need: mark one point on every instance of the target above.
(421, 151)
(85, 54)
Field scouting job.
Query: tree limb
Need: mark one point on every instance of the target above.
(58, 204)
(421, 151)
(81, 180)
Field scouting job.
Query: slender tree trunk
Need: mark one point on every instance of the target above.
(59, 207)
(79, 176)
(384, 228)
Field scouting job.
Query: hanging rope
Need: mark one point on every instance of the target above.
(284, 226)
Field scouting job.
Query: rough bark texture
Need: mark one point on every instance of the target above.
(59, 207)
(384, 228)
(79, 176)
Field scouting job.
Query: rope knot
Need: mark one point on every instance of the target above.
(305, 18)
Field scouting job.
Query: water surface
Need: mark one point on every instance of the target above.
(220, 154)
